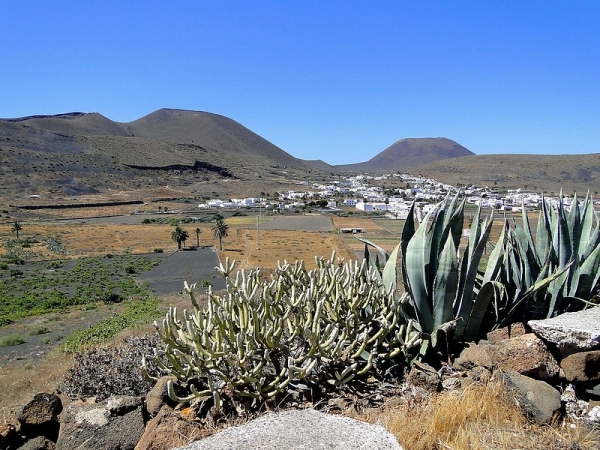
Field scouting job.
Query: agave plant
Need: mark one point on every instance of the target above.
(447, 293)
(445, 288)
(566, 251)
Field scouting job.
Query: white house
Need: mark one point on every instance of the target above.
(364, 206)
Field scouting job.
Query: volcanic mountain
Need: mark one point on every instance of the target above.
(407, 154)
(78, 153)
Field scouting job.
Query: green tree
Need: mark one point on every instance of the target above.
(16, 228)
(179, 235)
(220, 230)
(198, 231)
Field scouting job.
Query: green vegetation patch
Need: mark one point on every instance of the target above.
(139, 313)
(11, 340)
(38, 290)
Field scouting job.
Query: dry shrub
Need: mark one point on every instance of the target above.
(474, 418)
(111, 370)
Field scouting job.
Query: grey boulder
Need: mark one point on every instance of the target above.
(571, 332)
(300, 429)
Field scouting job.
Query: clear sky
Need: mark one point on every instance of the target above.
(333, 80)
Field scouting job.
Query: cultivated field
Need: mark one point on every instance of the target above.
(251, 248)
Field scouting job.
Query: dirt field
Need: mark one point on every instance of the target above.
(300, 223)
(242, 244)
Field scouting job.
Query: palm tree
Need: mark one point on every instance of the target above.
(220, 230)
(16, 228)
(198, 231)
(179, 235)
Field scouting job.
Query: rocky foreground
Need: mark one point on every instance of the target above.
(550, 367)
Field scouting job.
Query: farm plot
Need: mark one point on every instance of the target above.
(300, 223)
(44, 302)
(194, 266)
(41, 287)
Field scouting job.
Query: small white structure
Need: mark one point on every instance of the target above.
(352, 230)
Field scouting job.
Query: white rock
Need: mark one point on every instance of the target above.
(594, 414)
(571, 332)
(300, 429)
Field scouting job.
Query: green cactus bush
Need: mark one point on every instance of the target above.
(267, 336)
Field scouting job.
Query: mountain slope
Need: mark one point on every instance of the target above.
(80, 153)
(73, 124)
(547, 173)
(207, 130)
(407, 154)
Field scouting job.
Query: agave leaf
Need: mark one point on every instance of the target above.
(543, 235)
(475, 232)
(541, 284)
(594, 239)
(586, 229)
(562, 237)
(513, 270)
(408, 231)
(522, 244)
(456, 218)
(496, 257)
(381, 251)
(574, 225)
(416, 262)
(389, 270)
(587, 275)
(491, 291)
(469, 274)
(437, 239)
(594, 289)
(527, 228)
(445, 284)
(557, 289)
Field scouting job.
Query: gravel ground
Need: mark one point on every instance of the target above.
(193, 266)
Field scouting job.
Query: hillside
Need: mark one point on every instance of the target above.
(80, 153)
(407, 154)
(210, 131)
(72, 124)
(199, 154)
(535, 172)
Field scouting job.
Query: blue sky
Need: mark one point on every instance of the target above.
(332, 80)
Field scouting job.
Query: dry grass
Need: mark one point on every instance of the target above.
(478, 417)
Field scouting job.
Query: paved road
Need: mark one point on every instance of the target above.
(192, 266)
